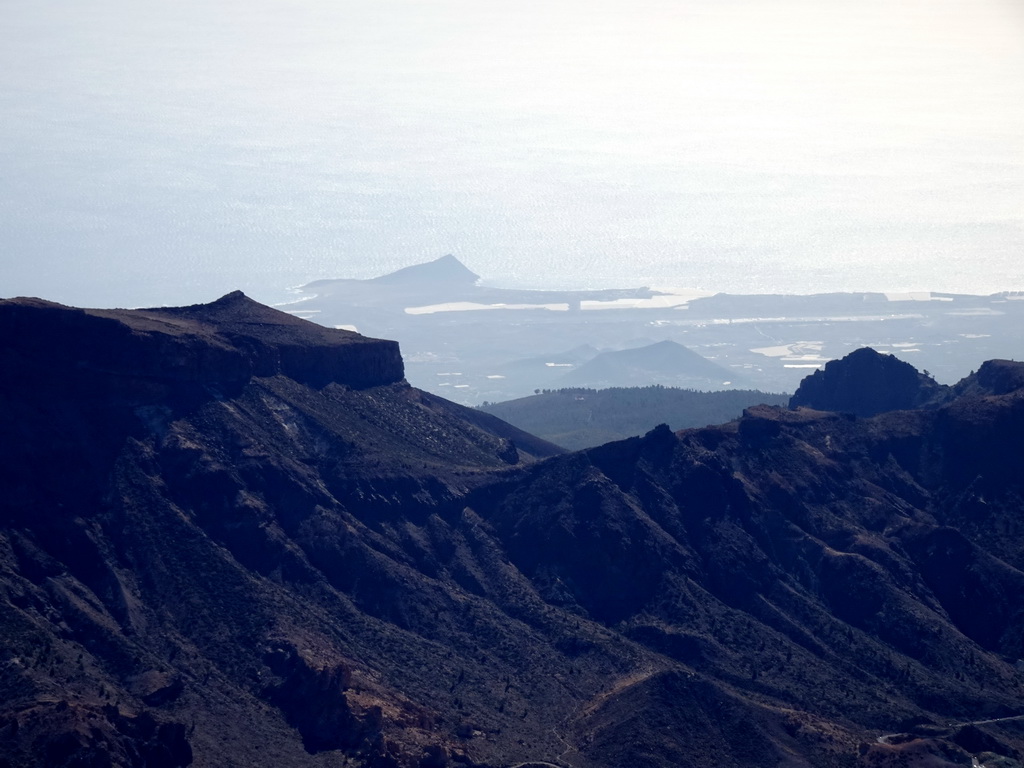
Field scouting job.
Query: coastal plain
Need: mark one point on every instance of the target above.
(473, 343)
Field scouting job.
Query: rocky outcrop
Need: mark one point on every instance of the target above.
(313, 700)
(865, 383)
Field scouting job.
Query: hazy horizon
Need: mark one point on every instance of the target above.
(169, 153)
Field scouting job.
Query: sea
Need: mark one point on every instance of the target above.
(170, 152)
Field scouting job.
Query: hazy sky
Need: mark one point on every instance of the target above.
(168, 152)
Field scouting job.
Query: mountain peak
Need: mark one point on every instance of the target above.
(446, 269)
(865, 383)
(661, 362)
(232, 298)
(236, 311)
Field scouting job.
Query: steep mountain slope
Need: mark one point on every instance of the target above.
(805, 562)
(222, 542)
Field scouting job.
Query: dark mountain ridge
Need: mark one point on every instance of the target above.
(248, 549)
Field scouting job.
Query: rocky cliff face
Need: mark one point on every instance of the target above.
(281, 571)
(218, 345)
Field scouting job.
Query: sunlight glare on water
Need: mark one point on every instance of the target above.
(169, 153)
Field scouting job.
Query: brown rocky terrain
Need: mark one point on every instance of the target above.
(230, 537)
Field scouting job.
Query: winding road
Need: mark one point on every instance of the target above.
(887, 738)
